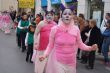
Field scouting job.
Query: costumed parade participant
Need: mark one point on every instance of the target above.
(29, 42)
(42, 31)
(64, 41)
(22, 30)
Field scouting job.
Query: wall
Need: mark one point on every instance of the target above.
(106, 6)
(6, 4)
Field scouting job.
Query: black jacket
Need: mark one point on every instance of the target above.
(83, 36)
(95, 36)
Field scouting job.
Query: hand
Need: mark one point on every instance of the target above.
(36, 46)
(42, 58)
(25, 27)
(34, 55)
(94, 47)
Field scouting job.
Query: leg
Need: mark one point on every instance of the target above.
(28, 53)
(91, 60)
(18, 40)
(31, 52)
(23, 35)
(105, 49)
(78, 54)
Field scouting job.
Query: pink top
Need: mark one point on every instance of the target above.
(6, 18)
(65, 40)
(44, 35)
(0, 17)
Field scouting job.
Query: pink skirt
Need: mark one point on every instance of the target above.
(53, 66)
(40, 66)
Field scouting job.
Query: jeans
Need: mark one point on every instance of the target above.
(105, 48)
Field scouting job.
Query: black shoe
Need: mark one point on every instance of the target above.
(26, 59)
(88, 67)
(31, 62)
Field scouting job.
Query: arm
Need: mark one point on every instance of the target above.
(106, 33)
(37, 35)
(26, 39)
(81, 45)
(29, 23)
(19, 25)
(51, 42)
(102, 28)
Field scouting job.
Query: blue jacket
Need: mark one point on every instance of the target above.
(106, 33)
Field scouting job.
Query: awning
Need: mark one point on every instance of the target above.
(43, 3)
(55, 1)
(68, 0)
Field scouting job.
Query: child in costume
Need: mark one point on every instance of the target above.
(22, 29)
(29, 42)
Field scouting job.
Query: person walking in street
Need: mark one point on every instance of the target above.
(18, 37)
(94, 38)
(22, 26)
(85, 39)
(81, 20)
(103, 25)
(106, 43)
(103, 28)
(43, 30)
(64, 41)
(29, 42)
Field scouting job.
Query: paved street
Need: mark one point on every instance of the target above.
(12, 60)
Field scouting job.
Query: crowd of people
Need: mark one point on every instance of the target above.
(54, 42)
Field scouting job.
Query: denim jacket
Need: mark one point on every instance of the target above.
(106, 32)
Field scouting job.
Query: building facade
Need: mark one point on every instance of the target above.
(7, 5)
(89, 8)
(106, 6)
(95, 9)
(83, 6)
(0, 5)
(50, 4)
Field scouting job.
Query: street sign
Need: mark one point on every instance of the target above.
(26, 3)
